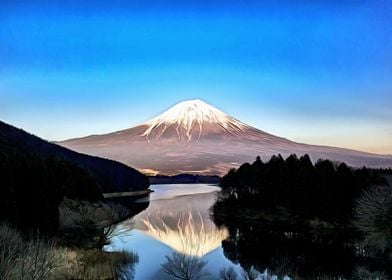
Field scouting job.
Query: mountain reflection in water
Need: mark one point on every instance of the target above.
(175, 226)
(175, 236)
(189, 237)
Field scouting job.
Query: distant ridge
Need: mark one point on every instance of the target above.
(196, 138)
(184, 179)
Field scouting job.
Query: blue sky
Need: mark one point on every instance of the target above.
(312, 71)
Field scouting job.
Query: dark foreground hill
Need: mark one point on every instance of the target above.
(36, 175)
(111, 176)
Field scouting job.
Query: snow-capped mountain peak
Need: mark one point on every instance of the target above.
(195, 137)
(190, 118)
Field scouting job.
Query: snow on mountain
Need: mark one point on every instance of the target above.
(189, 118)
(195, 137)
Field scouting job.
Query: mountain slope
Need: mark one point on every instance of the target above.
(194, 137)
(110, 175)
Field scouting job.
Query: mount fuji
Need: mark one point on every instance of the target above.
(195, 137)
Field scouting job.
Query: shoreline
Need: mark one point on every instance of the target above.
(127, 194)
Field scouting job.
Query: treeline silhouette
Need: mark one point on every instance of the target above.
(324, 190)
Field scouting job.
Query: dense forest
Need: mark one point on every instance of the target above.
(307, 219)
(324, 190)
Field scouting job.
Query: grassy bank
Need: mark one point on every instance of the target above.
(75, 252)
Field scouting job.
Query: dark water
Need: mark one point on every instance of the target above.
(177, 220)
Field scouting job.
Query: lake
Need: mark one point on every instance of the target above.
(177, 220)
(175, 233)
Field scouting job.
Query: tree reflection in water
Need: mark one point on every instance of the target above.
(180, 266)
(183, 267)
(300, 254)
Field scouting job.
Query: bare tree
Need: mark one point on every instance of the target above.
(180, 266)
(228, 274)
(373, 215)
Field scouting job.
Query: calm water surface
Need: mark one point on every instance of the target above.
(177, 220)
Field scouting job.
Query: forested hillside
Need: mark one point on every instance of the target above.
(36, 175)
(111, 176)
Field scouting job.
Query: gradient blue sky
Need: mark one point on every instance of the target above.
(312, 71)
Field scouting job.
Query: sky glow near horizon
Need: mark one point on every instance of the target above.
(317, 72)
